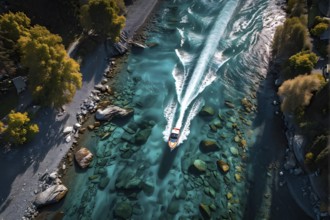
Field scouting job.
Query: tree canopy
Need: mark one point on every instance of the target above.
(19, 129)
(302, 62)
(53, 75)
(102, 16)
(298, 92)
(291, 38)
(13, 26)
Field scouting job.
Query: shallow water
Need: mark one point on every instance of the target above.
(207, 52)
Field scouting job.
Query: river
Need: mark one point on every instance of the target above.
(204, 53)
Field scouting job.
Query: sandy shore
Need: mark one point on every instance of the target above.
(24, 166)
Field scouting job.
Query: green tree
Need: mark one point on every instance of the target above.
(291, 38)
(102, 16)
(302, 62)
(53, 75)
(296, 93)
(19, 129)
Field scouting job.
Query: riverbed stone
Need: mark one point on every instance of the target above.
(223, 166)
(127, 180)
(142, 136)
(213, 128)
(148, 188)
(238, 177)
(83, 157)
(123, 210)
(233, 151)
(243, 143)
(200, 165)
(208, 145)
(51, 195)
(207, 111)
(104, 182)
(229, 195)
(205, 210)
(229, 104)
(173, 207)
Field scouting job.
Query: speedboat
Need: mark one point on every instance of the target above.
(174, 138)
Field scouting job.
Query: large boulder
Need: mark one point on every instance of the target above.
(123, 210)
(83, 157)
(112, 111)
(51, 195)
(208, 146)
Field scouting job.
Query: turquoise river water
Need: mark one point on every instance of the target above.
(205, 53)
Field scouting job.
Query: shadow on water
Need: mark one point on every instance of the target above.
(264, 151)
(266, 157)
(166, 161)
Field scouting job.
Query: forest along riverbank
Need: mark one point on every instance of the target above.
(42, 156)
(227, 158)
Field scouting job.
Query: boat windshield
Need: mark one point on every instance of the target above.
(174, 136)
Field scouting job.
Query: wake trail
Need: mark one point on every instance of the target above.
(208, 52)
(204, 73)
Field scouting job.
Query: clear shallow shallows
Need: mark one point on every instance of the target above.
(207, 52)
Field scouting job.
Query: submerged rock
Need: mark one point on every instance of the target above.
(112, 111)
(104, 182)
(173, 207)
(123, 210)
(236, 139)
(127, 180)
(208, 146)
(238, 177)
(234, 151)
(51, 195)
(229, 195)
(229, 104)
(207, 111)
(148, 188)
(200, 165)
(142, 136)
(205, 210)
(83, 157)
(223, 166)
